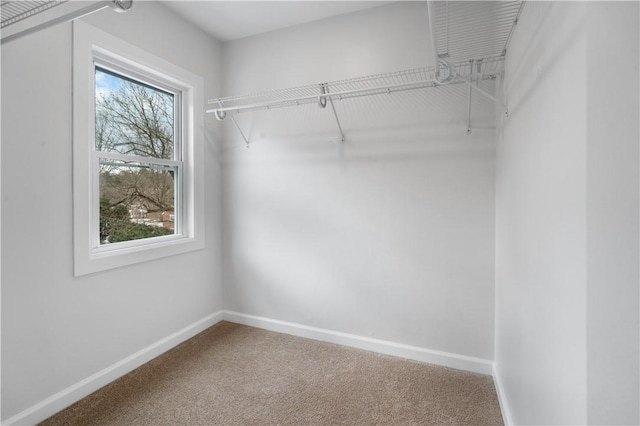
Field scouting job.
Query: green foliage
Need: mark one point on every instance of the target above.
(136, 231)
(115, 225)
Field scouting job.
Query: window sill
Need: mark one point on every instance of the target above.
(102, 259)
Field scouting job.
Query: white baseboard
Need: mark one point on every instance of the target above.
(502, 397)
(446, 359)
(76, 392)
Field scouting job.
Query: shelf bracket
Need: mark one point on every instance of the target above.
(322, 101)
(246, 141)
(472, 66)
(469, 112)
(220, 115)
(483, 92)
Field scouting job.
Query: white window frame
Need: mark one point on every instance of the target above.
(107, 62)
(92, 47)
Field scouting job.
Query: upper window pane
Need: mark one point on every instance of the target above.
(133, 118)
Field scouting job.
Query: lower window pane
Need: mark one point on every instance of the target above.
(137, 200)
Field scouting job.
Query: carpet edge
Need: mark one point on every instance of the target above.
(444, 359)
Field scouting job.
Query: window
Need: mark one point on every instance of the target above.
(138, 157)
(137, 154)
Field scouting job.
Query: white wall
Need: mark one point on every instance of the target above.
(56, 329)
(541, 219)
(613, 116)
(567, 217)
(388, 235)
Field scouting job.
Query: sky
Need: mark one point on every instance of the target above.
(106, 83)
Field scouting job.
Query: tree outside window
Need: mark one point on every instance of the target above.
(138, 158)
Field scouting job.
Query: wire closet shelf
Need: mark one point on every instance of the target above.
(12, 11)
(469, 41)
(486, 69)
(16, 15)
(472, 29)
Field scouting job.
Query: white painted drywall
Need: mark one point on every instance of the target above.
(613, 116)
(567, 217)
(56, 329)
(389, 235)
(541, 219)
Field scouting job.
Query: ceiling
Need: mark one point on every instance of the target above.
(231, 20)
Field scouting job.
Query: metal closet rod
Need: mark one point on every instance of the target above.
(320, 96)
(117, 5)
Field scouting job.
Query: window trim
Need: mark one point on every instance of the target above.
(93, 47)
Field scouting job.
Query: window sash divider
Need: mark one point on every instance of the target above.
(136, 158)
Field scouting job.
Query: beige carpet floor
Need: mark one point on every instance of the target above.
(237, 375)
